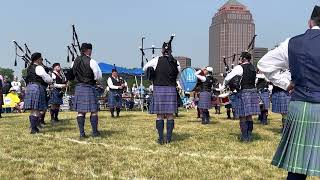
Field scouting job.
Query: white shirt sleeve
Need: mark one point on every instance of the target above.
(202, 78)
(110, 84)
(179, 67)
(236, 71)
(43, 74)
(96, 69)
(152, 63)
(275, 65)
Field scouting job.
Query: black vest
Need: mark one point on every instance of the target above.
(32, 77)
(207, 85)
(82, 70)
(59, 79)
(249, 76)
(262, 84)
(166, 72)
(116, 83)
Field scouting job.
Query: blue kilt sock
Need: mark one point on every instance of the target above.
(160, 127)
(94, 125)
(244, 130)
(33, 124)
(81, 121)
(250, 129)
(170, 127)
(56, 114)
(52, 113)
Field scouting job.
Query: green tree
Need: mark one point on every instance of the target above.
(7, 72)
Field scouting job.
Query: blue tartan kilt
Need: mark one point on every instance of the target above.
(35, 97)
(85, 98)
(299, 148)
(265, 97)
(205, 100)
(164, 100)
(247, 103)
(280, 102)
(56, 97)
(115, 100)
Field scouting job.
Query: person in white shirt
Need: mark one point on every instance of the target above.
(205, 101)
(262, 85)
(87, 72)
(56, 95)
(35, 97)
(294, 66)
(116, 86)
(16, 85)
(247, 97)
(164, 99)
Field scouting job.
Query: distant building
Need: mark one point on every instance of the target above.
(184, 61)
(258, 53)
(231, 32)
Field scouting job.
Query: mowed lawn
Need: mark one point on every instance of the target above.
(128, 149)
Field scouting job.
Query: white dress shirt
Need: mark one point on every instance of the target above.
(154, 62)
(275, 65)
(43, 74)
(112, 86)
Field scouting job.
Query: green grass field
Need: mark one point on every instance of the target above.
(128, 149)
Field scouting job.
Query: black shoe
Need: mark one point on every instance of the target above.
(160, 141)
(168, 141)
(34, 132)
(96, 134)
(83, 136)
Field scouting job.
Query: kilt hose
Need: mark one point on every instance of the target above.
(247, 103)
(265, 97)
(85, 98)
(164, 100)
(280, 102)
(115, 99)
(205, 101)
(299, 148)
(56, 97)
(35, 97)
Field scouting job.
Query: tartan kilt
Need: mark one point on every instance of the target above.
(35, 97)
(56, 97)
(280, 102)
(85, 98)
(299, 148)
(247, 103)
(114, 99)
(205, 100)
(265, 97)
(164, 100)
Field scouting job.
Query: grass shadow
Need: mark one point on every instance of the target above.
(176, 137)
(109, 133)
(255, 136)
(275, 130)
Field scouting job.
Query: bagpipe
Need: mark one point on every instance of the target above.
(235, 83)
(26, 57)
(150, 72)
(73, 50)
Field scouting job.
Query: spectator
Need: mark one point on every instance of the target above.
(16, 85)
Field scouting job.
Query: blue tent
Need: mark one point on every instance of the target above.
(107, 69)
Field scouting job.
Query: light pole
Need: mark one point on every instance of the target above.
(141, 84)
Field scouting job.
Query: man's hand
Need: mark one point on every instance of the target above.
(290, 88)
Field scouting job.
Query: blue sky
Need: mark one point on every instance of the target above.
(115, 27)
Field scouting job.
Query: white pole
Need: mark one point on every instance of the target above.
(141, 100)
